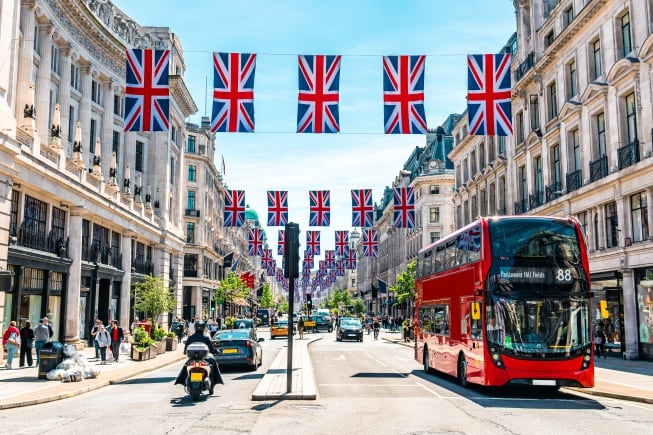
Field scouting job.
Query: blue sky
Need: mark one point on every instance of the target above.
(362, 31)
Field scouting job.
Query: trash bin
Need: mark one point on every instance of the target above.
(51, 355)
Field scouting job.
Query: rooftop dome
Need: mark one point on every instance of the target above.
(251, 215)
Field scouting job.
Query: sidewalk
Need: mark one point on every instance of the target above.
(613, 377)
(21, 387)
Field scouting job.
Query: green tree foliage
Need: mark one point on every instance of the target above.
(153, 297)
(405, 287)
(230, 289)
(326, 302)
(267, 300)
(284, 305)
(359, 306)
(341, 299)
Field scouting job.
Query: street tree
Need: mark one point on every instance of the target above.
(359, 306)
(153, 297)
(267, 300)
(405, 287)
(230, 289)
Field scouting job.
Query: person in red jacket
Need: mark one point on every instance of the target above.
(11, 340)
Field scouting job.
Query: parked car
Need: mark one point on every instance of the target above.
(350, 328)
(238, 347)
(280, 329)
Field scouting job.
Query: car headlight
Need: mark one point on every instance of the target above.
(360, 331)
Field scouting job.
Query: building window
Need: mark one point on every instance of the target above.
(600, 134)
(535, 112)
(139, 156)
(557, 168)
(639, 217)
(115, 143)
(548, 39)
(434, 189)
(519, 123)
(573, 79)
(631, 119)
(523, 184)
(71, 124)
(58, 225)
(190, 200)
(74, 77)
(118, 106)
(173, 133)
(92, 137)
(626, 41)
(596, 59)
(35, 218)
(190, 147)
(481, 156)
(435, 236)
(434, 215)
(568, 16)
(502, 146)
(472, 159)
(190, 232)
(190, 265)
(54, 63)
(96, 92)
(37, 40)
(611, 225)
(539, 178)
(582, 219)
(493, 198)
(552, 93)
(192, 170)
(574, 142)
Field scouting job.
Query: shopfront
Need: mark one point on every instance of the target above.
(644, 288)
(608, 310)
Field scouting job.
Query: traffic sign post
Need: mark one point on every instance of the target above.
(291, 271)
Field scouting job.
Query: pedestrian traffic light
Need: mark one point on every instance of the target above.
(291, 251)
(309, 302)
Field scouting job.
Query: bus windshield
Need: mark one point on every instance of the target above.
(532, 255)
(538, 327)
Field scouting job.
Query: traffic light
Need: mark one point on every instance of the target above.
(309, 303)
(291, 251)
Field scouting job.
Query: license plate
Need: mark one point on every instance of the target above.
(196, 377)
(545, 382)
(229, 350)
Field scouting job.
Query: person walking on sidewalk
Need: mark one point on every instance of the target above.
(27, 340)
(94, 331)
(599, 342)
(300, 327)
(117, 337)
(41, 336)
(103, 340)
(11, 340)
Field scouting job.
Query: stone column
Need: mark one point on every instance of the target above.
(25, 56)
(630, 316)
(64, 97)
(589, 230)
(85, 111)
(601, 213)
(623, 222)
(107, 127)
(125, 287)
(43, 81)
(74, 279)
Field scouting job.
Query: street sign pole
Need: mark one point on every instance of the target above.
(291, 271)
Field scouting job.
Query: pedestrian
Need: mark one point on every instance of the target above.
(117, 337)
(300, 327)
(179, 331)
(94, 330)
(103, 340)
(27, 340)
(41, 336)
(134, 325)
(599, 342)
(406, 329)
(11, 341)
(46, 322)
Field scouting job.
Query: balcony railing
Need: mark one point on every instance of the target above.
(502, 211)
(35, 239)
(574, 180)
(525, 66)
(144, 267)
(629, 154)
(599, 168)
(521, 206)
(192, 212)
(535, 199)
(190, 273)
(553, 191)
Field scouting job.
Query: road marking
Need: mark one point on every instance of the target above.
(380, 363)
(367, 385)
(428, 389)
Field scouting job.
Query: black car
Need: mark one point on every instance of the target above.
(349, 329)
(238, 347)
(323, 323)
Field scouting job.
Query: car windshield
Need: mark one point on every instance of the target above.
(350, 324)
(232, 335)
(281, 323)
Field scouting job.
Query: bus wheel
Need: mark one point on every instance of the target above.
(462, 371)
(425, 360)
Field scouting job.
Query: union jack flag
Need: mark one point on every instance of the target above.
(147, 94)
(488, 94)
(350, 260)
(306, 270)
(267, 260)
(320, 208)
(403, 94)
(330, 258)
(313, 242)
(322, 267)
(233, 92)
(255, 242)
(340, 268)
(370, 243)
(404, 207)
(317, 110)
(361, 208)
(308, 259)
(342, 243)
(282, 242)
(277, 208)
(234, 208)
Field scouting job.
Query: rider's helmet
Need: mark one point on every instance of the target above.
(200, 326)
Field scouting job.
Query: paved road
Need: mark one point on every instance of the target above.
(370, 387)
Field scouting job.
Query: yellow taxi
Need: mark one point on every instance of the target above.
(279, 329)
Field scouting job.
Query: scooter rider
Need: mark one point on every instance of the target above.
(199, 337)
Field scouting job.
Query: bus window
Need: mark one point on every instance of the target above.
(439, 259)
(427, 268)
(461, 249)
(450, 255)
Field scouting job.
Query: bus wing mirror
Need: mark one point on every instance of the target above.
(475, 310)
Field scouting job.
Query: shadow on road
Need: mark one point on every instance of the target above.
(154, 380)
(379, 375)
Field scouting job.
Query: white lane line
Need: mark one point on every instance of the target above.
(428, 389)
(384, 365)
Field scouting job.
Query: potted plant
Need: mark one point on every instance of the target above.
(143, 347)
(159, 336)
(171, 341)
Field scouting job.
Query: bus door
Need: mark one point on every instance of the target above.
(472, 335)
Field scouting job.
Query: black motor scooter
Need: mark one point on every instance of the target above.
(198, 379)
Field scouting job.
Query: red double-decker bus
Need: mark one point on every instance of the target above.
(506, 300)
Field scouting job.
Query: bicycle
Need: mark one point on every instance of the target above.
(376, 333)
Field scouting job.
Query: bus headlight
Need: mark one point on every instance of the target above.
(586, 359)
(496, 357)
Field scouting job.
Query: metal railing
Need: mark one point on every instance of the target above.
(599, 168)
(553, 191)
(521, 206)
(34, 239)
(535, 199)
(574, 180)
(628, 155)
(525, 66)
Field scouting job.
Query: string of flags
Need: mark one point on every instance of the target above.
(147, 93)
